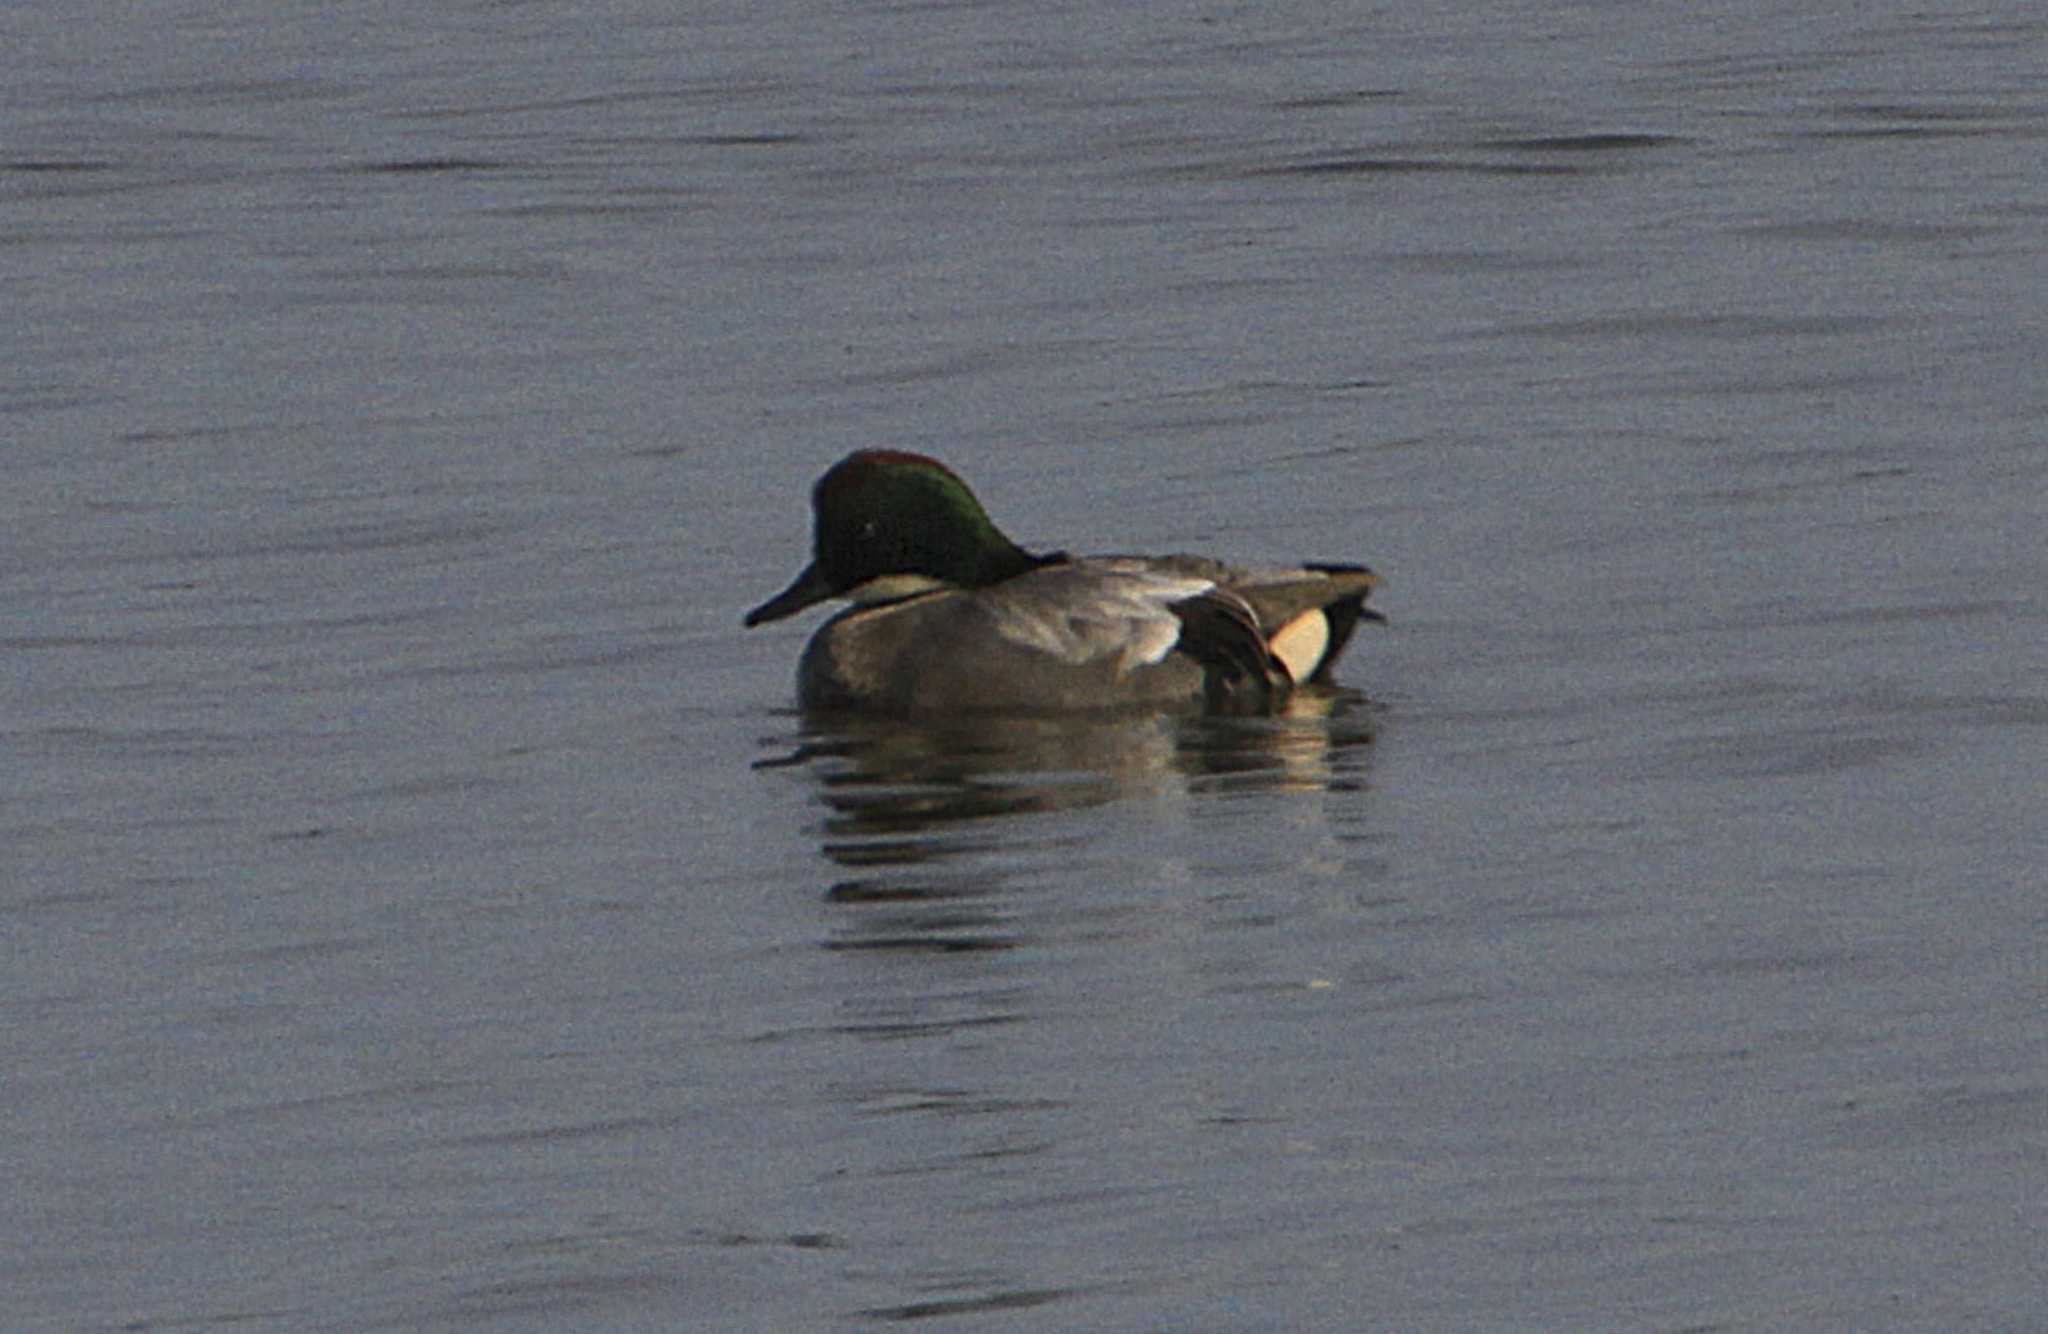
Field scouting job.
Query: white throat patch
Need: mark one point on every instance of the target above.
(891, 587)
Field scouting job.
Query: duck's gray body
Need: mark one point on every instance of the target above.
(1101, 633)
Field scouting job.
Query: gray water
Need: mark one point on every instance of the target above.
(423, 909)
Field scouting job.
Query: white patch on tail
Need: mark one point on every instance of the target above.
(1301, 642)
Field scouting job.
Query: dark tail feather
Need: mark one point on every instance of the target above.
(1343, 616)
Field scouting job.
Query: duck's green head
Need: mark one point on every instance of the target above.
(889, 522)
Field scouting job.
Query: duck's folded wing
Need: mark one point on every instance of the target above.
(1220, 631)
(1085, 612)
(1307, 612)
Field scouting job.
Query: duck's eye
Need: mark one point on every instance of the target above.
(868, 531)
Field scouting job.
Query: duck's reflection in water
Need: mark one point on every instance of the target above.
(935, 823)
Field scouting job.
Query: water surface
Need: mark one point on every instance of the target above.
(424, 910)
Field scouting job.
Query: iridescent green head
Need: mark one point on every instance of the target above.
(898, 518)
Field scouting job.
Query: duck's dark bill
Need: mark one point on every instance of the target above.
(809, 587)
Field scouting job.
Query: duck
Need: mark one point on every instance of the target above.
(949, 616)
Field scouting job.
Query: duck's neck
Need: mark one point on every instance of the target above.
(1003, 559)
